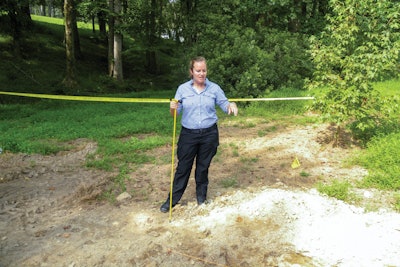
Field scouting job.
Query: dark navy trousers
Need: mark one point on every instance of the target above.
(199, 144)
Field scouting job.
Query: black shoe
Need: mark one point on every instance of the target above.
(165, 207)
(201, 202)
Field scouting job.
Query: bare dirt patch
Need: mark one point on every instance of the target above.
(262, 211)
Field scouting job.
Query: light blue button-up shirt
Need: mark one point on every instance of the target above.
(198, 108)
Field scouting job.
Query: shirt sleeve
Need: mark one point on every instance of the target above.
(178, 97)
(221, 100)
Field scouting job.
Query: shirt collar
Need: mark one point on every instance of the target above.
(206, 83)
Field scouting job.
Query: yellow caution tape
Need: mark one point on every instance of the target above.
(90, 98)
(138, 100)
(271, 99)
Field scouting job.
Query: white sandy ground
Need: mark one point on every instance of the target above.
(331, 232)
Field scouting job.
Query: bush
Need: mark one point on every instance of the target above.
(247, 63)
(380, 117)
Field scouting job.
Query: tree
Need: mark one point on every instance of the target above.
(247, 58)
(75, 33)
(90, 9)
(151, 30)
(70, 74)
(111, 32)
(117, 70)
(115, 40)
(19, 20)
(360, 45)
(147, 21)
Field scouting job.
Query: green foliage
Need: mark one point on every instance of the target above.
(337, 189)
(378, 116)
(241, 72)
(88, 9)
(248, 61)
(247, 58)
(291, 62)
(382, 159)
(42, 67)
(246, 65)
(360, 46)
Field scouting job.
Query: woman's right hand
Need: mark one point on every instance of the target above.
(173, 104)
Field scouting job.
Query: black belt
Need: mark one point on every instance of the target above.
(200, 131)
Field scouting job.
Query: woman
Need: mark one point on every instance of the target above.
(196, 101)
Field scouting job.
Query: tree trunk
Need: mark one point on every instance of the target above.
(151, 62)
(26, 15)
(20, 19)
(51, 8)
(42, 10)
(189, 11)
(294, 22)
(75, 33)
(93, 24)
(69, 80)
(118, 73)
(16, 29)
(101, 17)
(111, 30)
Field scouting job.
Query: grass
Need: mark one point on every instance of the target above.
(381, 158)
(389, 87)
(53, 21)
(396, 203)
(337, 189)
(229, 182)
(38, 127)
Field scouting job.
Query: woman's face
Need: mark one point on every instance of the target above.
(199, 72)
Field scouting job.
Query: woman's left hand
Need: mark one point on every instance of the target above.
(232, 109)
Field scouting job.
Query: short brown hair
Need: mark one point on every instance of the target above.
(194, 60)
